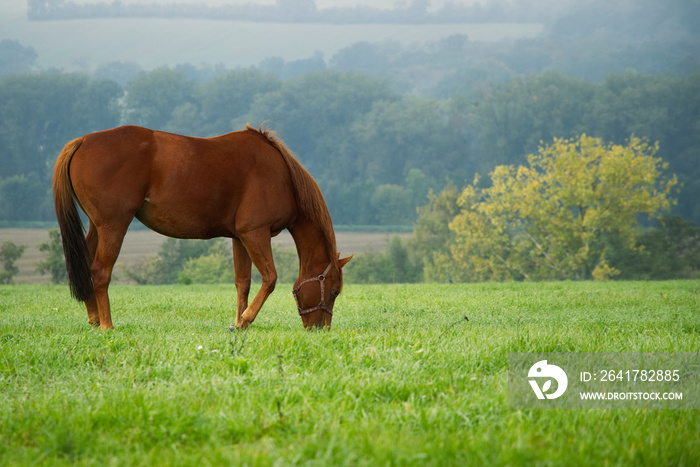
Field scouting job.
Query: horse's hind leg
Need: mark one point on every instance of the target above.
(109, 243)
(91, 303)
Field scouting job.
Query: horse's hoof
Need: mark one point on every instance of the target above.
(242, 326)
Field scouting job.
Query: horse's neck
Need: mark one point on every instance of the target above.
(312, 247)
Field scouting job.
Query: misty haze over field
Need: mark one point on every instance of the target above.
(85, 35)
(85, 44)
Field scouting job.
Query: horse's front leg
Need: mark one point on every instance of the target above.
(257, 244)
(242, 269)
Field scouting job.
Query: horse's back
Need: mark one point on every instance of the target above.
(184, 186)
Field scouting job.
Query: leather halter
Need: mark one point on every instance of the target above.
(322, 304)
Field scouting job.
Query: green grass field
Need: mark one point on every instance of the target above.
(401, 379)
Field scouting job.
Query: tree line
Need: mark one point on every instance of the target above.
(375, 152)
(576, 211)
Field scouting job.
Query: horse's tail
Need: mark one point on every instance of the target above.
(309, 197)
(75, 247)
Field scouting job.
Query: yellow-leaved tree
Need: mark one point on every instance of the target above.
(556, 218)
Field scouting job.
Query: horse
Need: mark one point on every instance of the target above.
(245, 185)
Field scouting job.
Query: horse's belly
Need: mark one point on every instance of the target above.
(182, 221)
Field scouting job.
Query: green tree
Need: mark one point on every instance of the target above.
(661, 108)
(152, 98)
(399, 135)
(433, 239)
(16, 58)
(405, 267)
(370, 58)
(215, 267)
(228, 97)
(167, 265)
(557, 218)
(42, 112)
(350, 201)
(9, 253)
(314, 113)
(511, 120)
(668, 250)
(95, 107)
(22, 197)
(397, 265)
(392, 205)
(55, 262)
(118, 71)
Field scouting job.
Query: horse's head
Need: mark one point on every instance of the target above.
(315, 296)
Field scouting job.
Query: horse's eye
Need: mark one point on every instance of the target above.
(335, 292)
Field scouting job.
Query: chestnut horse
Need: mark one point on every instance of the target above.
(244, 185)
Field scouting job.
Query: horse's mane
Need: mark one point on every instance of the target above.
(310, 200)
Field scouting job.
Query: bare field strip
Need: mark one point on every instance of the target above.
(139, 245)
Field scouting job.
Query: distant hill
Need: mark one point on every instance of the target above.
(306, 11)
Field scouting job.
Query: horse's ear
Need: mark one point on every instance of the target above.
(342, 262)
